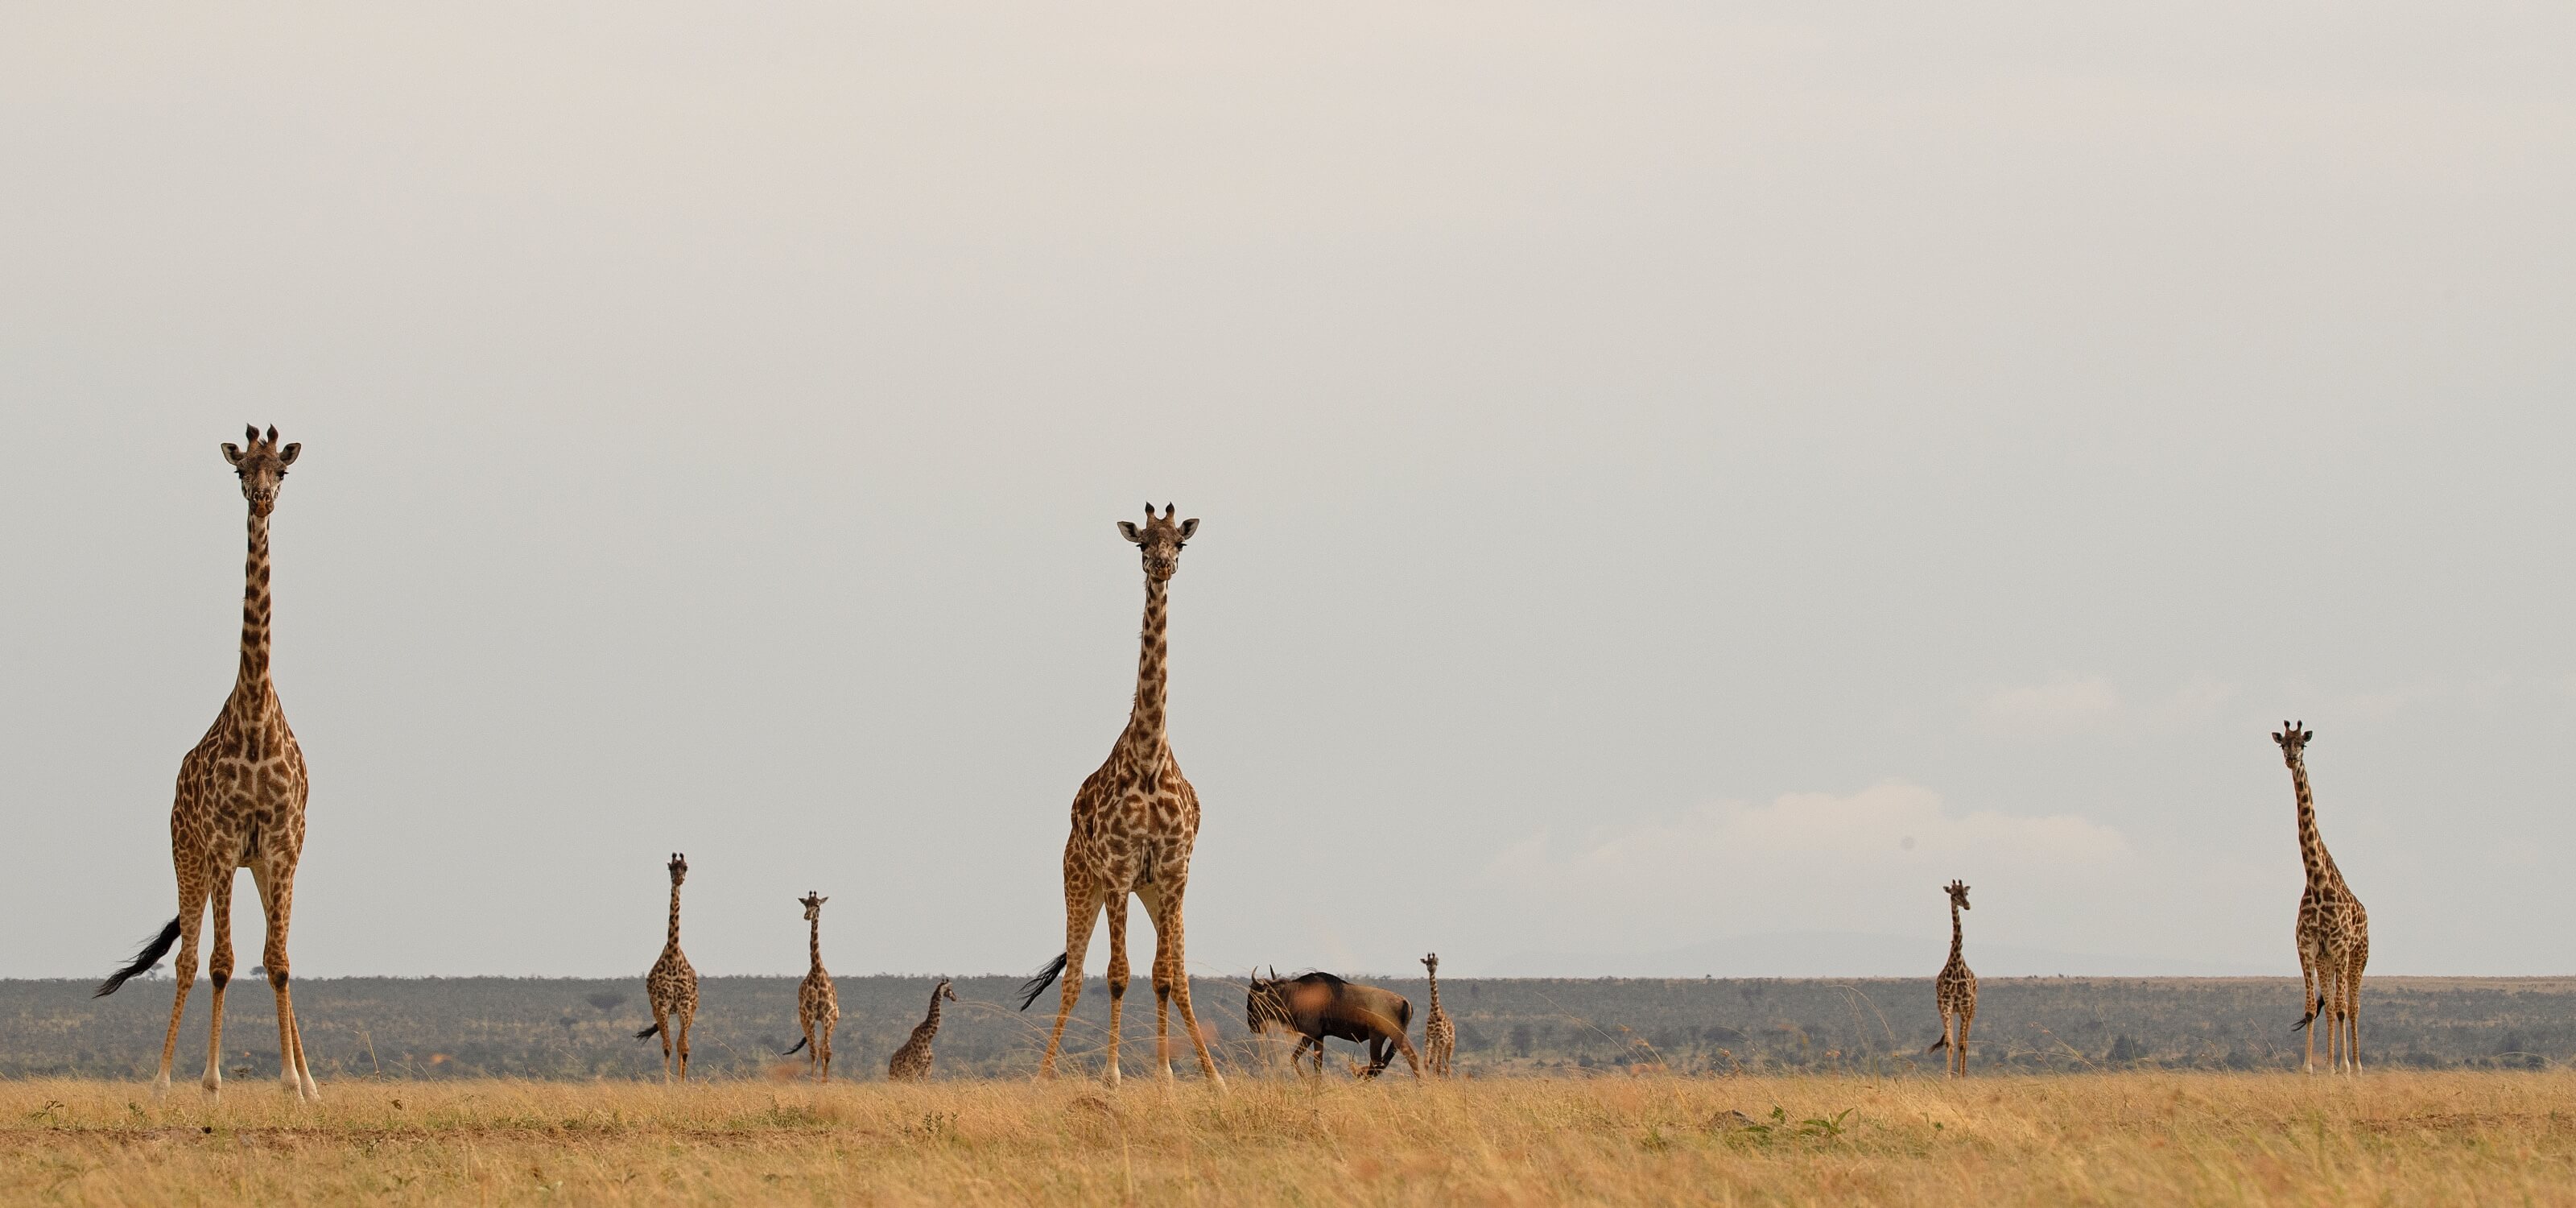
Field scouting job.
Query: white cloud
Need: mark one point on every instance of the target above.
(1867, 861)
(2060, 707)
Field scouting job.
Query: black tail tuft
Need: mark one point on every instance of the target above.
(1030, 989)
(1940, 1044)
(144, 958)
(799, 1044)
(2311, 1016)
(647, 1033)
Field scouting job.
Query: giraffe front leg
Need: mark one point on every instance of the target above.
(1117, 975)
(219, 973)
(829, 1022)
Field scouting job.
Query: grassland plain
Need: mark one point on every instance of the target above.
(572, 1028)
(2410, 1137)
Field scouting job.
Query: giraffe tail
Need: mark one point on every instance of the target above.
(1940, 1044)
(799, 1044)
(647, 1033)
(2304, 1020)
(144, 958)
(1030, 989)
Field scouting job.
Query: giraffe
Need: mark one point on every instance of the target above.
(1134, 822)
(2333, 932)
(818, 1004)
(1439, 1036)
(672, 986)
(911, 1063)
(239, 804)
(1955, 992)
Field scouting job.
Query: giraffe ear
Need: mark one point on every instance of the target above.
(1189, 527)
(1126, 528)
(232, 452)
(287, 455)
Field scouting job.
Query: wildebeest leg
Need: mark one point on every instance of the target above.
(1297, 1056)
(1379, 1055)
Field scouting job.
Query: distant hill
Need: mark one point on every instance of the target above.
(584, 1028)
(1847, 954)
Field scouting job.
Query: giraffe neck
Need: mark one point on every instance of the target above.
(251, 688)
(1954, 933)
(1145, 724)
(813, 943)
(2312, 846)
(1433, 972)
(932, 1020)
(673, 944)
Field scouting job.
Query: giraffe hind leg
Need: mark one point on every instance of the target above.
(1081, 913)
(276, 883)
(1162, 976)
(183, 970)
(219, 974)
(1117, 976)
(1168, 935)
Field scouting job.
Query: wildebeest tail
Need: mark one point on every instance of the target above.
(799, 1044)
(144, 958)
(1030, 989)
(648, 1032)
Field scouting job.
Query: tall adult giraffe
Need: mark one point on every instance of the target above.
(2333, 932)
(1134, 823)
(240, 804)
(1955, 991)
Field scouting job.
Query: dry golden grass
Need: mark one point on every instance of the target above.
(2132, 1138)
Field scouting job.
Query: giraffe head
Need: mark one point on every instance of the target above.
(2293, 740)
(262, 466)
(812, 901)
(946, 989)
(679, 867)
(1958, 891)
(1161, 539)
(1431, 961)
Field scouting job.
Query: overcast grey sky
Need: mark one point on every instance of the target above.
(1669, 473)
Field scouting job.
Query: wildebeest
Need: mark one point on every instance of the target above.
(1317, 1005)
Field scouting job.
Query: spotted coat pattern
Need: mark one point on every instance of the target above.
(911, 1063)
(2332, 931)
(240, 804)
(1955, 991)
(818, 1003)
(1135, 821)
(1439, 1035)
(672, 987)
